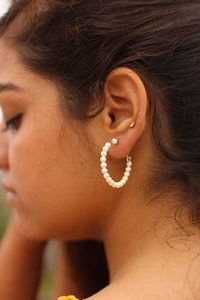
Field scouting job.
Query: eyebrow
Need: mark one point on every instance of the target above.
(8, 87)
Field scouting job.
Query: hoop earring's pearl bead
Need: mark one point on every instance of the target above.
(104, 169)
(114, 141)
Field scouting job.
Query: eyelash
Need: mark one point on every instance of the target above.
(13, 123)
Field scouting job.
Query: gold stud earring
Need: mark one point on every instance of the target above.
(132, 124)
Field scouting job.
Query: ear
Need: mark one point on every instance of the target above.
(125, 102)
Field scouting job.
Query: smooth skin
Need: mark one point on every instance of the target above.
(52, 165)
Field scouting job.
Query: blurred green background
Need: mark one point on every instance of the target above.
(4, 214)
(45, 290)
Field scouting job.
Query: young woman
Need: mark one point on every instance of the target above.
(100, 142)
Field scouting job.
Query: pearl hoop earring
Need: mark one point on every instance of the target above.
(104, 169)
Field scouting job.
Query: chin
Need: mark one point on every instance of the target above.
(39, 231)
(32, 232)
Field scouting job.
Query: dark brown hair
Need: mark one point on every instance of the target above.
(77, 43)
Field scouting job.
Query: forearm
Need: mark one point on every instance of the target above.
(20, 265)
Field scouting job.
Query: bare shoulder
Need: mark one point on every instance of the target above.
(141, 294)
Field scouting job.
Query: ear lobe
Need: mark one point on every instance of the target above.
(126, 101)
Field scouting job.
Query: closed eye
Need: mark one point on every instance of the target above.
(13, 123)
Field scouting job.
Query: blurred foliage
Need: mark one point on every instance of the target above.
(4, 214)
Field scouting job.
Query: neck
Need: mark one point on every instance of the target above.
(127, 233)
(143, 241)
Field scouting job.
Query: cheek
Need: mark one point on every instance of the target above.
(53, 187)
(35, 166)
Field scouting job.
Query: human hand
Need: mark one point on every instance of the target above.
(20, 264)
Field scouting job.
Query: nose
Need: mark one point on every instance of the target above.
(3, 149)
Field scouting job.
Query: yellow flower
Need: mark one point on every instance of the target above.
(67, 298)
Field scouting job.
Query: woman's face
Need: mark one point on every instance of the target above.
(56, 182)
